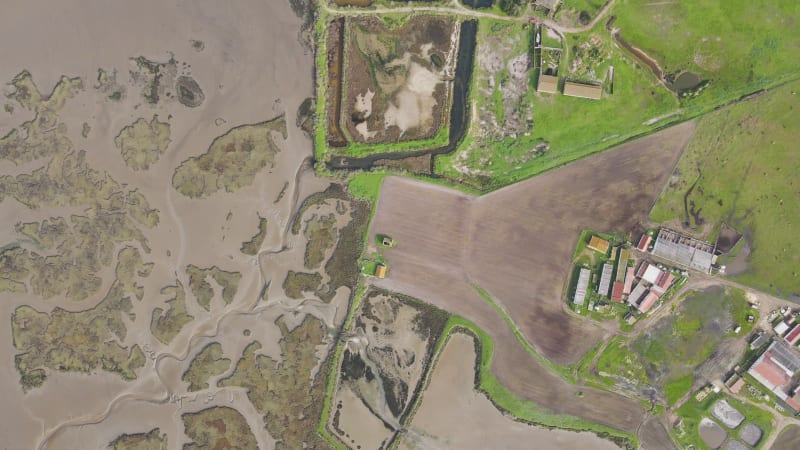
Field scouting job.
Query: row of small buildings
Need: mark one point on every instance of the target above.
(640, 286)
(549, 85)
(776, 370)
(651, 283)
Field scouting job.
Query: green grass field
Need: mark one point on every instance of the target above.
(572, 127)
(676, 388)
(740, 46)
(619, 363)
(743, 163)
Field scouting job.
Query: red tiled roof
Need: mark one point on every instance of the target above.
(630, 274)
(665, 280)
(616, 292)
(771, 372)
(644, 241)
(642, 268)
(648, 302)
(793, 335)
(794, 402)
(738, 386)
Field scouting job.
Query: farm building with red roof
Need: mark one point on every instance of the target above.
(616, 292)
(793, 335)
(648, 302)
(644, 243)
(775, 369)
(630, 275)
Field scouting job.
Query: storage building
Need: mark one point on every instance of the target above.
(583, 284)
(582, 90)
(548, 84)
(605, 279)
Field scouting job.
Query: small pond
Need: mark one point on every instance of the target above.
(686, 81)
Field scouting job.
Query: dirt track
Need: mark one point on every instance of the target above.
(517, 244)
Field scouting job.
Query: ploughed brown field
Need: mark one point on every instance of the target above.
(653, 436)
(517, 244)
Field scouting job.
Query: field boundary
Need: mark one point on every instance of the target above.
(520, 410)
(564, 372)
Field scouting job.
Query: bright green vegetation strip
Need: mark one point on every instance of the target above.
(740, 168)
(519, 408)
(564, 372)
(500, 396)
(364, 149)
(677, 388)
(741, 46)
(692, 412)
(366, 185)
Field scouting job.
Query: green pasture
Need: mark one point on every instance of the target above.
(739, 46)
(572, 127)
(741, 168)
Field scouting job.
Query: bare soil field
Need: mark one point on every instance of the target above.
(653, 436)
(516, 243)
(454, 415)
(396, 86)
(789, 439)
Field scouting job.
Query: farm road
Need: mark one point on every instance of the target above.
(517, 244)
(461, 10)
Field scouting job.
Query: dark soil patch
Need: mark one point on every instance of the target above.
(728, 238)
(189, 92)
(335, 60)
(789, 439)
(422, 164)
(653, 436)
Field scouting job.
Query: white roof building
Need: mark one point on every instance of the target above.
(605, 279)
(651, 274)
(781, 328)
(580, 289)
(638, 292)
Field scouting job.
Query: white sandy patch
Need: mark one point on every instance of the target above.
(364, 106)
(425, 50)
(364, 103)
(413, 105)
